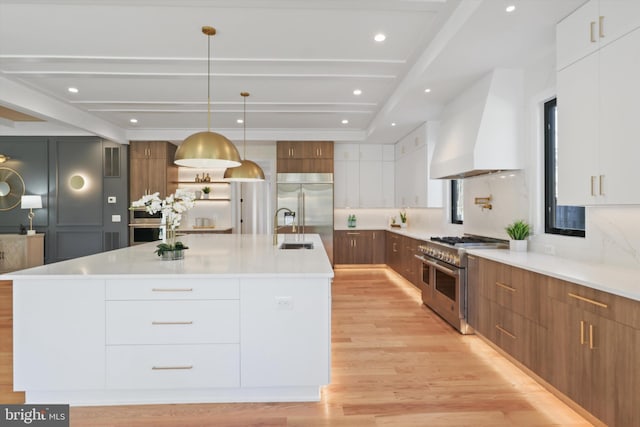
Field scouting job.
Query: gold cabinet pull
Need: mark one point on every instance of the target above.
(592, 32)
(600, 183)
(507, 287)
(172, 290)
(186, 322)
(593, 191)
(590, 301)
(352, 233)
(504, 331)
(168, 368)
(591, 346)
(601, 26)
(581, 332)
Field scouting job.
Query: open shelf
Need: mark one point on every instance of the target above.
(214, 199)
(201, 183)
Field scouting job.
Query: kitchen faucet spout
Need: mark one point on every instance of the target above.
(275, 224)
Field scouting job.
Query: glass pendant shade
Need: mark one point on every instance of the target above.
(207, 150)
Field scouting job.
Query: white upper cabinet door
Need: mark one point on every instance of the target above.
(346, 184)
(577, 34)
(617, 18)
(619, 121)
(388, 184)
(578, 133)
(371, 152)
(388, 152)
(346, 152)
(370, 184)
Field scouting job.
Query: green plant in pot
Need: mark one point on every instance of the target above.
(518, 232)
(403, 219)
(206, 191)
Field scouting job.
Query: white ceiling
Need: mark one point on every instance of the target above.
(299, 59)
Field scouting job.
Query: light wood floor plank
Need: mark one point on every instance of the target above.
(394, 363)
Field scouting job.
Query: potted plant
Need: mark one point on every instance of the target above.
(206, 191)
(518, 232)
(172, 208)
(403, 219)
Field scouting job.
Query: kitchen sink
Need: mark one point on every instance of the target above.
(296, 245)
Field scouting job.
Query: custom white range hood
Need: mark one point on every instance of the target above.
(481, 130)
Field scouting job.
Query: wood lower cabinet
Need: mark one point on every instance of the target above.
(400, 257)
(358, 247)
(19, 251)
(582, 341)
(394, 250)
(305, 156)
(151, 168)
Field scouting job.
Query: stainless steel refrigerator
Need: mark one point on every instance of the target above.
(310, 196)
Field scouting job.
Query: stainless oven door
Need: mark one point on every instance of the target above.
(426, 281)
(447, 290)
(143, 233)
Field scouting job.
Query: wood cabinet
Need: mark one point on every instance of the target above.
(364, 175)
(413, 154)
(151, 169)
(400, 257)
(582, 341)
(18, 251)
(595, 340)
(6, 345)
(359, 247)
(597, 105)
(305, 156)
(394, 250)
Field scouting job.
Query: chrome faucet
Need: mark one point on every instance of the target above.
(275, 224)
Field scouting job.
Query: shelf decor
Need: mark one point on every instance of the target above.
(172, 208)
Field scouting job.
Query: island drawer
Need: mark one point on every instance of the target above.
(170, 289)
(172, 322)
(172, 367)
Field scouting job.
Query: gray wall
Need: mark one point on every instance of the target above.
(75, 222)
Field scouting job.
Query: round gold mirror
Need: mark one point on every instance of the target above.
(11, 188)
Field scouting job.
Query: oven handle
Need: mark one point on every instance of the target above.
(437, 265)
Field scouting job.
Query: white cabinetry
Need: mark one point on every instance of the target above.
(593, 26)
(363, 176)
(413, 153)
(597, 115)
(59, 335)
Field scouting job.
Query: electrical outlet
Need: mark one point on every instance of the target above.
(549, 249)
(284, 303)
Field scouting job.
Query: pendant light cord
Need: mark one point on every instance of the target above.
(244, 135)
(209, 83)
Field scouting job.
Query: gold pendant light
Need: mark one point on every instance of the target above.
(248, 171)
(207, 149)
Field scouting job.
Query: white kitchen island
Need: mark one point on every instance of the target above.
(238, 320)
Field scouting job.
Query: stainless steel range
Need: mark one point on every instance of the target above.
(444, 275)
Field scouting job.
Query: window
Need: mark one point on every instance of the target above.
(457, 201)
(565, 220)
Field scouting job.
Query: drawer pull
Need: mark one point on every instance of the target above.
(590, 301)
(591, 346)
(172, 290)
(170, 368)
(353, 234)
(581, 332)
(504, 331)
(507, 287)
(189, 322)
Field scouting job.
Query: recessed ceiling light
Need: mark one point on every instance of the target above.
(510, 8)
(345, 121)
(380, 37)
(357, 92)
(73, 89)
(427, 90)
(393, 124)
(240, 121)
(133, 120)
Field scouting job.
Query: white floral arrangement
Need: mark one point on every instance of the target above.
(172, 208)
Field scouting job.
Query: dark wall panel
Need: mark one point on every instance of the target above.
(77, 158)
(76, 243)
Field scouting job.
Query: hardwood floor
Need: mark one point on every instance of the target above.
(395, 363)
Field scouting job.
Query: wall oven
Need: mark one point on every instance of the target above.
(144, 227)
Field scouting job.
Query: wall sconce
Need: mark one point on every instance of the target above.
(77, 182)
(4, 158)
(31, 203)
(484, 202)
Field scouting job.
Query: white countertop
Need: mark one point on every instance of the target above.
(413, 233)
(209, 255)
(620, 281)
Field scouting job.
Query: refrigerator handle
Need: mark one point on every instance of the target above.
(299, 213)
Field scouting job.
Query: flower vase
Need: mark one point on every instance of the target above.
(403, 225)
(173, 255)
(518, 245)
